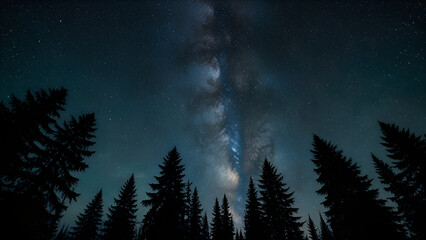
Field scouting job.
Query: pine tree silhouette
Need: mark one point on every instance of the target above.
(89, 222)
(312, 229)
(217, 229)
(121, 218)
(277, 206)
(227, 221)
(166, 202)
(195, 217)
(325, 230)
(406, 177)
(355, 212)
(39, 156)
(205, 233)
(253, 223)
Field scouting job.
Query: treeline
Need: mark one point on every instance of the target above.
(37, 185)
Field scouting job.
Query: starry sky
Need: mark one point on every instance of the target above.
(228, 83)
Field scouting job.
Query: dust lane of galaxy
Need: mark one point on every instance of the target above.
(226, 82)
(220, 49)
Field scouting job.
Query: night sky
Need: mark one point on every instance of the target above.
(227, 83)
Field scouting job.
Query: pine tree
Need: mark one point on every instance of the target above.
(195, 217)
(253, 224)
(325, 230)
(217, 229)
(39, 156)
(205, 233)
(406, 177)
(166, 202)
(227, 221)
(277, 206)
(88, 223)
(121, 218)
(354, 210)
(312, 229)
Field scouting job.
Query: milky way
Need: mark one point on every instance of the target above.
(228, 79)
(228, 84)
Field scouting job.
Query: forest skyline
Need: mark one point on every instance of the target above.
(41, 157)
(141, 211)
(228, 84)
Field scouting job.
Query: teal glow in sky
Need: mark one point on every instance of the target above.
(275, 73)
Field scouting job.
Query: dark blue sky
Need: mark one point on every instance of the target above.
(242, 80)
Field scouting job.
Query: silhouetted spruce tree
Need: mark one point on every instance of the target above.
(227, 221)
(253, 223)
(195, 217)
(405, 177)
(122, 218)
(325, 230)
(89, 222)
(277, 206)
(205, 233)
(312, 229)
(217, 229)
(166, 202)
(39, 156)
(355, 212)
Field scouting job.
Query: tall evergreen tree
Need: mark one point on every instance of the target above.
(39, 156)
(354, 210)
(253, 223)
(205, 233)
(122, 218)
(405, 177)
(312, 229)
(227, 221)
(88, 223)
(217, 229)
(166, 202)
(195, 232)
(325, 230)
(277, 206)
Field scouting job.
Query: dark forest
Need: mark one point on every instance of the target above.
(212, 119)
(40, 155)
